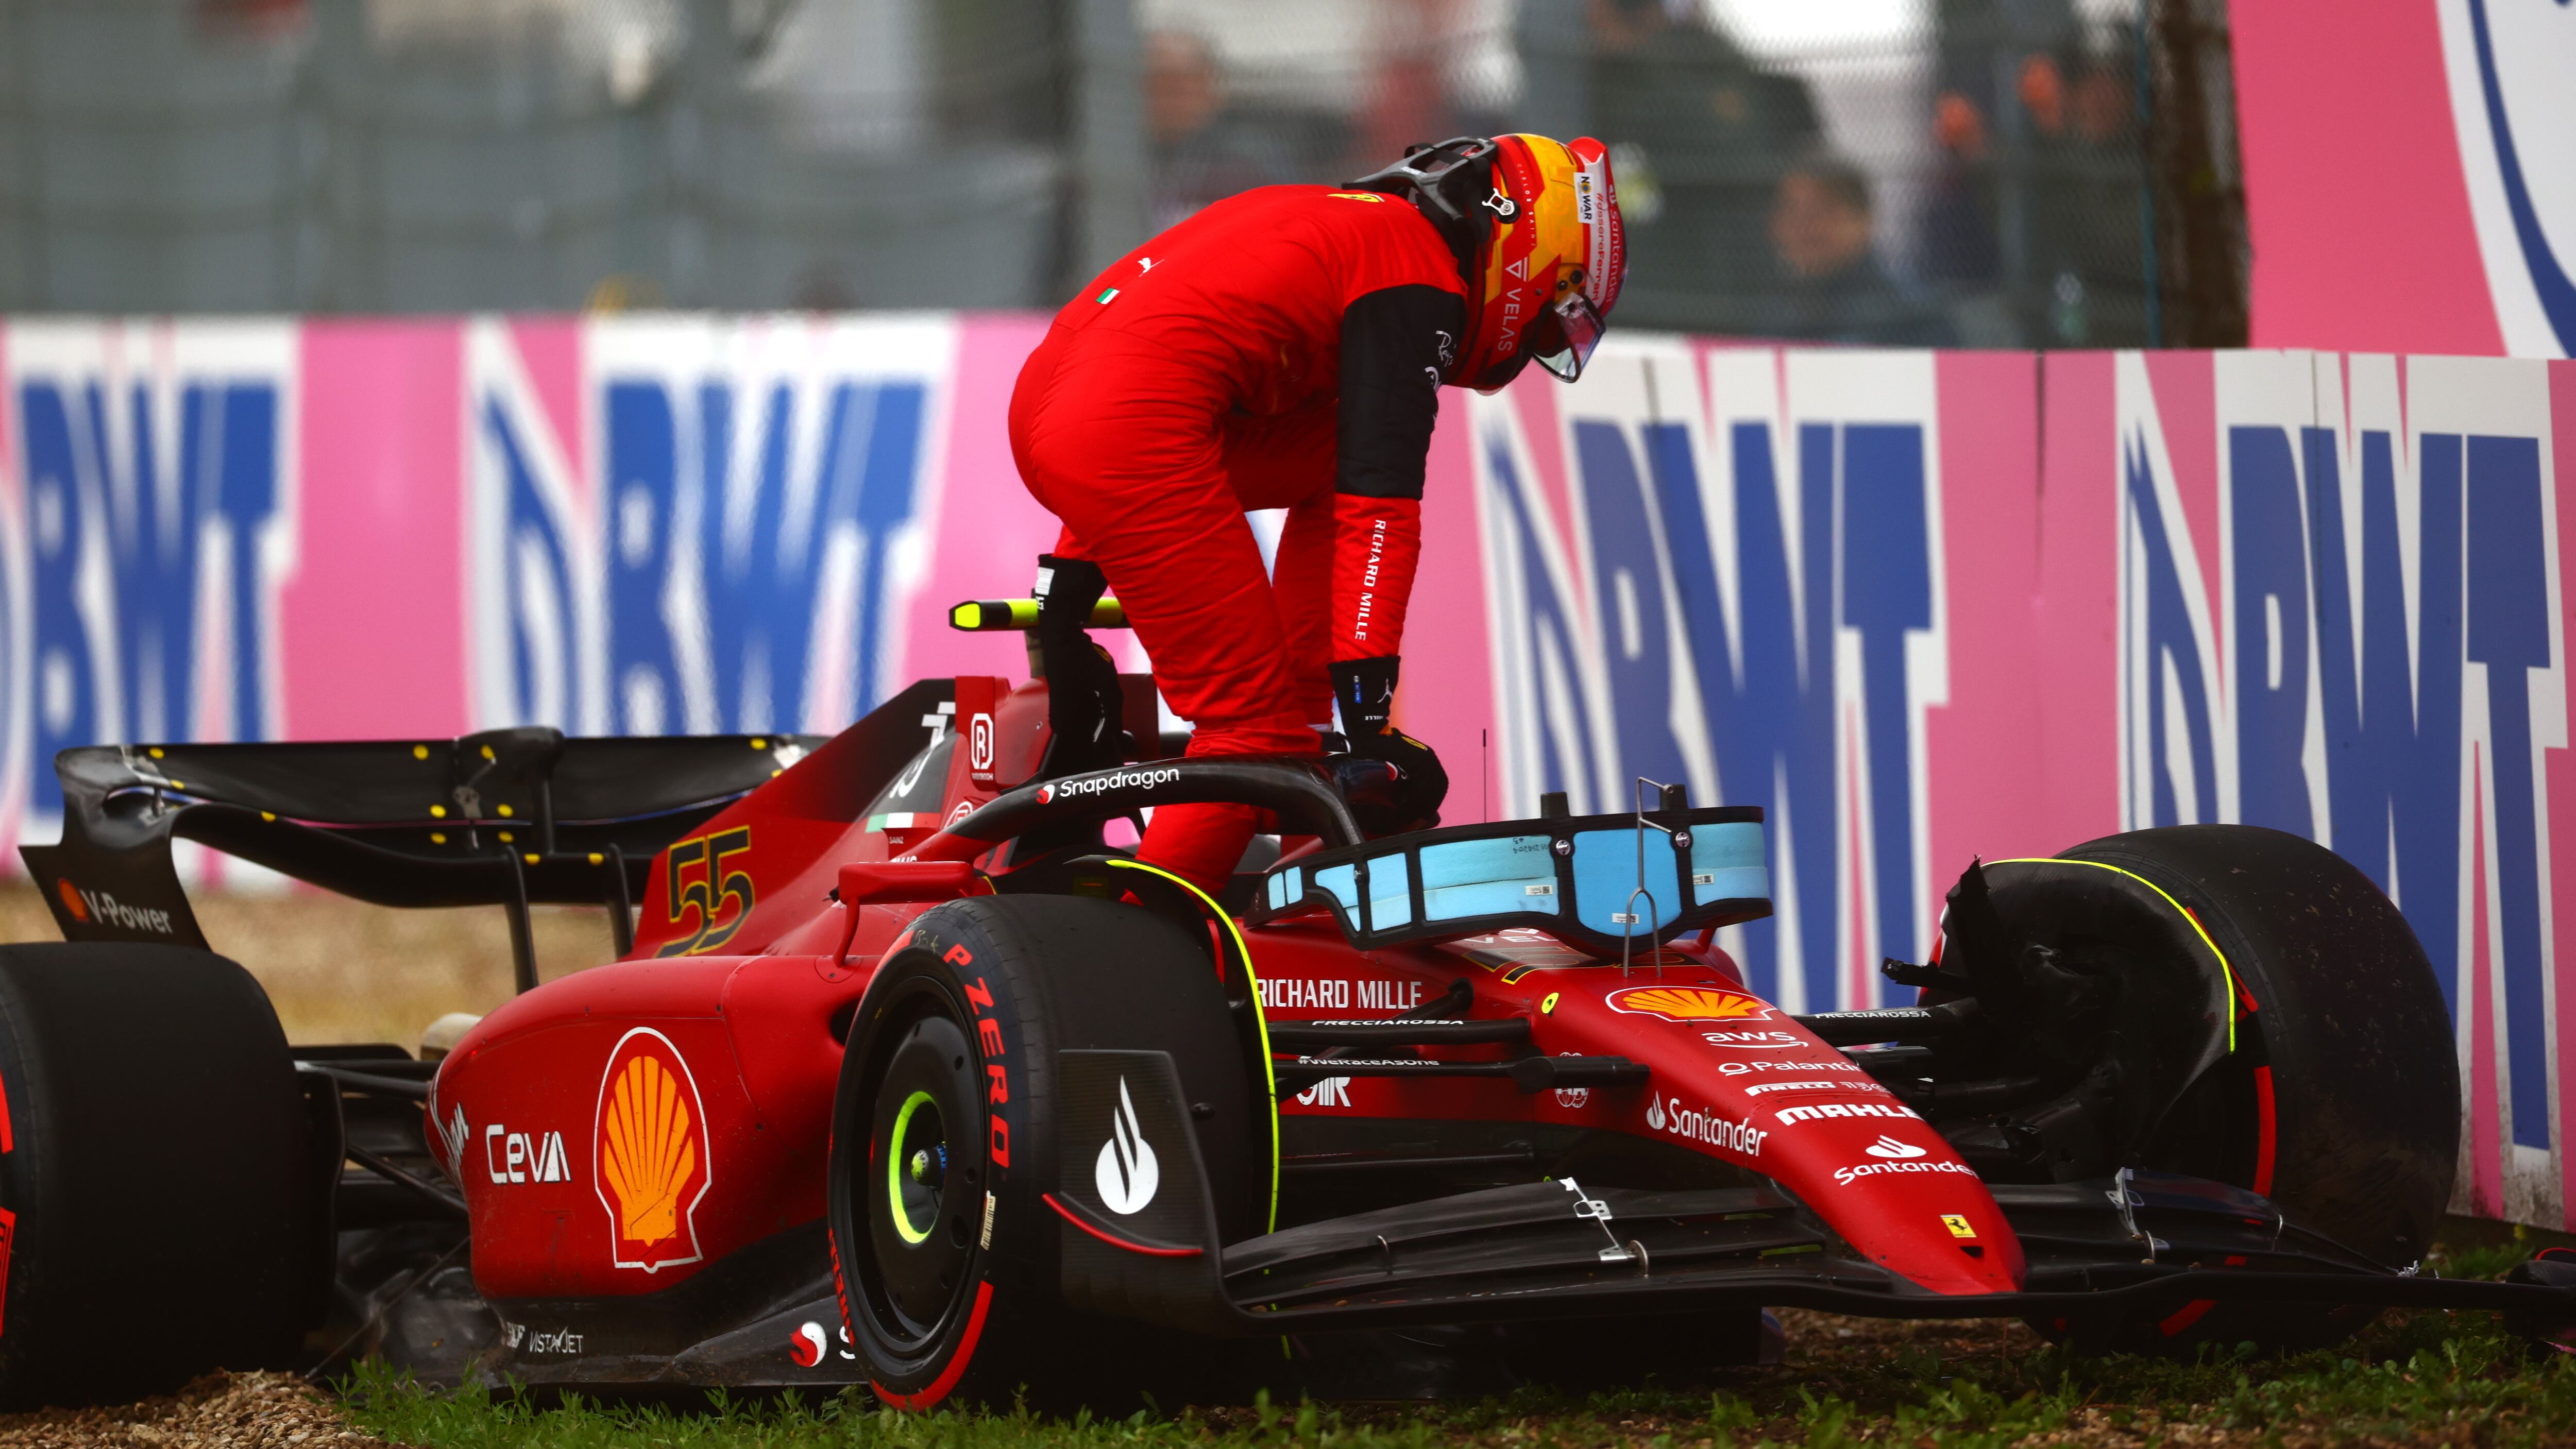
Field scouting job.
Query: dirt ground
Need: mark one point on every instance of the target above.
(219, 1411)
(342, 971)
(276, 1410)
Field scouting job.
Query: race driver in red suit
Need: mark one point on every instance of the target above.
(1285, 348)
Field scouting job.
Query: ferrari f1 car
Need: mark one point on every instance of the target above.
(903, 1076)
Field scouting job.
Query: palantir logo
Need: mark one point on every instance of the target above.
(1127, 1173)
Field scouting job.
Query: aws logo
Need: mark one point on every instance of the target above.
(649, 1150)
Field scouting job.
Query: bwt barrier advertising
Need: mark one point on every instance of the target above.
(1919, 606)
(2407, 183)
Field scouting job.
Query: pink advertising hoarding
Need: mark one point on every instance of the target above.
(1918, 606)
(2407, 180)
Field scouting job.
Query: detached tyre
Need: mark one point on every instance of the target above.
(2340, 1100)
(156, 1212)
(945, 1249)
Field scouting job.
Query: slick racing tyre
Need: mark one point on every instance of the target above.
(945, 1247)
(2341, 1098)
(156, 1217)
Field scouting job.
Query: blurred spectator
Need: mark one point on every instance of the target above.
(1832, 285)
(1699, 136)
(1204, 148)
(2088, 247)
(1998, 72)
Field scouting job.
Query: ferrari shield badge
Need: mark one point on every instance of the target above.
(1689, 1003)
(649, 1153)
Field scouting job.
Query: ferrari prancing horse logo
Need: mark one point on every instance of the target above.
(649, 1153)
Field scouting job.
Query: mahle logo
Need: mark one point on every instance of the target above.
(1827, 1110)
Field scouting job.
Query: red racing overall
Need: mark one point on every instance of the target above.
(1281, 349)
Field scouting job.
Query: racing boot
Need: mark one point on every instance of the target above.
(1084, 705)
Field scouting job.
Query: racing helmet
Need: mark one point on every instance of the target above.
(1535, 225)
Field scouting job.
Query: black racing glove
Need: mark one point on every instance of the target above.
(1393, 781)
(1084, 707)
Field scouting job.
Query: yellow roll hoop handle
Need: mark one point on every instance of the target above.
(985, 616)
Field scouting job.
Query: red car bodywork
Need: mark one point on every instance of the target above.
(617, 1131)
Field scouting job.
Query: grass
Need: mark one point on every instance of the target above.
(2425, 1378)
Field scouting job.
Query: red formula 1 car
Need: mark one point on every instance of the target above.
(905, 1077)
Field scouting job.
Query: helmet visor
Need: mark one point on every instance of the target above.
(1566, 335)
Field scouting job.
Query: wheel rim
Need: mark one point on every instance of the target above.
(918, 1268)
(916, 1168)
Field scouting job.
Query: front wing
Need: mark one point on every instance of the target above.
(2111, 1250)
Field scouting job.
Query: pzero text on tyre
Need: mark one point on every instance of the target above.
(943, 1142)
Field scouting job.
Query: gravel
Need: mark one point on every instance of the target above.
(219, 1411)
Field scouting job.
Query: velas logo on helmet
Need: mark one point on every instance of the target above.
(1551, 266)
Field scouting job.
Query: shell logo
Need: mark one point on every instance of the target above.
(1689, 1003)
(649, 1152)
(71, 898)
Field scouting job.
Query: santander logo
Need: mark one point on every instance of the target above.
(1896, 1157)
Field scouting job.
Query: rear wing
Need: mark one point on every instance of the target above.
(506, 817)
